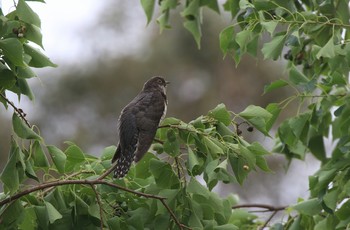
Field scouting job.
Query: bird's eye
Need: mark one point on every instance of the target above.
(160, 81)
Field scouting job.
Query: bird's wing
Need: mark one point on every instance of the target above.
(147, 120)
(128, 138)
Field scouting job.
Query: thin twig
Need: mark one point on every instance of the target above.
(66, 178)
(269, 219)
(178, 167)
(264, 206)
(181, 226)
(269, 208)
(108, 171)
(98, 199)
(18, 110)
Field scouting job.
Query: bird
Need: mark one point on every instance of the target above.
(138, 123)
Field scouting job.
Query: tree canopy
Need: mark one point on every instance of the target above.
(48, 187)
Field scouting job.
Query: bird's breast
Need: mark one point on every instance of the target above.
(165, 109)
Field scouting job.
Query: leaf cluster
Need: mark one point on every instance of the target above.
(19, 36)
(313, 38)
(207, 147)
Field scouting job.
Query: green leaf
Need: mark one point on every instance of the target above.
(38, 60)
(253, 45)
(226, 227)
(163, 174)
(327, 51)
(42, 217)
(172, 144)
(258, 117)
(238, 165)
(227, 41)
(225, 132)
(29, 171)
(52, 212)
(40, 159)
(29, 220)
(243, 38)
(273, 49)
(221, 114)
(75, 157)
(22, 130)
(269, 26)
(244, 4)
(297, 77)
(94, 211)
(213, 148)
(344, 210)
(258, 149)
(275, 110)
(13, 50)
(275, 85)
(309, 207)
(192, 22)
(193, 162)
(24, 88)
(9, 175)
(143, 166)
(25, 72)
(262, 164)
(26, 14)
(12, 213)
(331, 199)
(58, 157)
(148, 7)
(7, 79)
(197, 188)
(194, 27)
(33, 34)
(163, 21)
(211, 4)
(170, 195)
(298, 123)
(232, 6)
(108, 153)
(317, 148)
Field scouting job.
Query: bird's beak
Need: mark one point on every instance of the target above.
(167, 82)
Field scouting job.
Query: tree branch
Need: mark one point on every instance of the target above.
(181, 226)
(92, 183)
(269, 219)
(264, 206)
(269, 208)
(98, 199)
(178, 167)
(18, 110)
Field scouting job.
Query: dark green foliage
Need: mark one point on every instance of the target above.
(311, 36)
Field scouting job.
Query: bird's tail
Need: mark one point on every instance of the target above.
(124, 160)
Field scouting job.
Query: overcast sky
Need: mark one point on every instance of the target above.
(65, 24)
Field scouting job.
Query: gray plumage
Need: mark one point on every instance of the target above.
(138, 123)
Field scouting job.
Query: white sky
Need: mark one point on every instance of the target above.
(64, 21)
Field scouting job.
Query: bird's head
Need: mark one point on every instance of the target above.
(157, 83)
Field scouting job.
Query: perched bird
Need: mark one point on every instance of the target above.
(138, 123)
